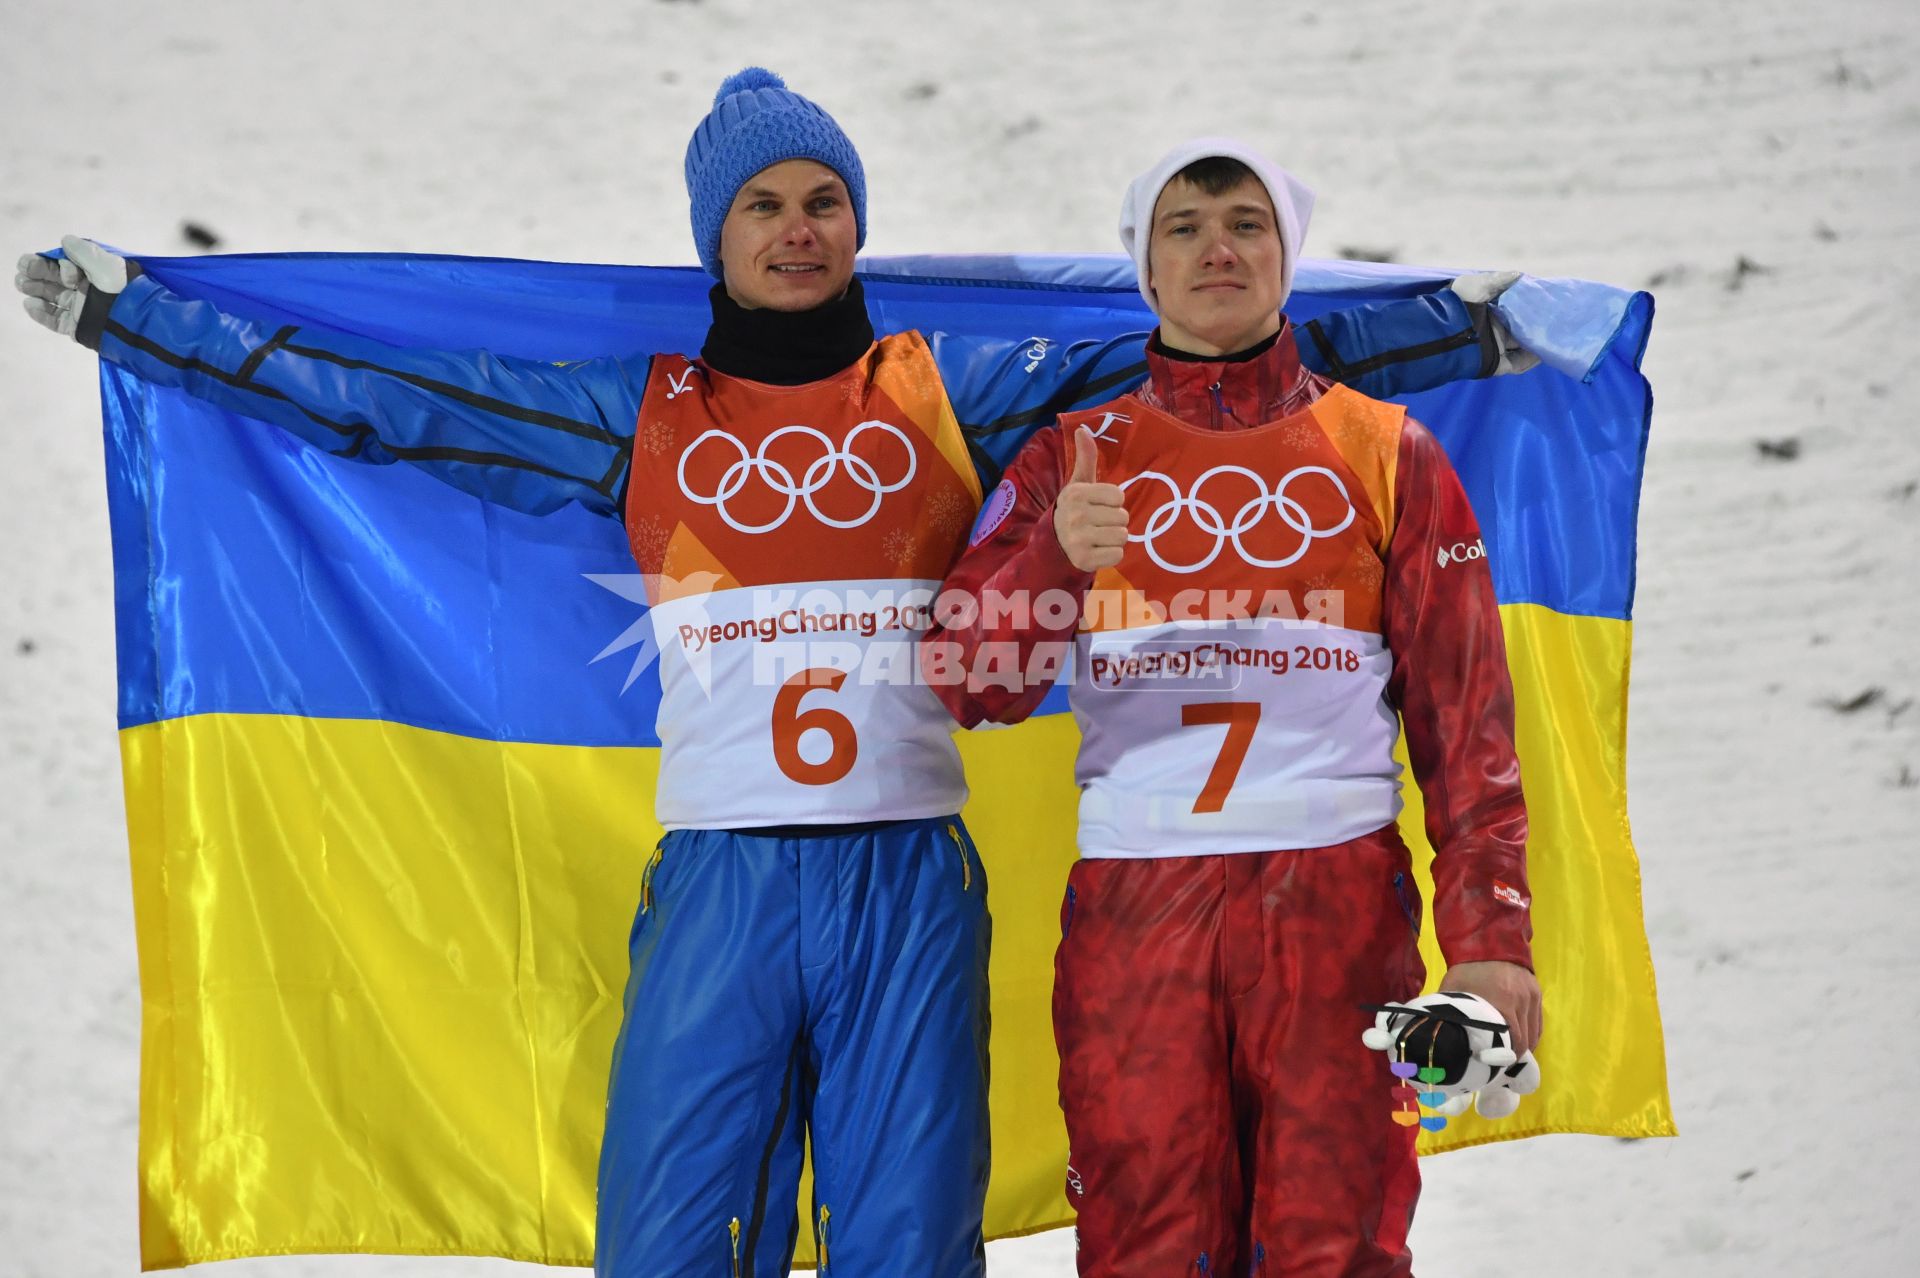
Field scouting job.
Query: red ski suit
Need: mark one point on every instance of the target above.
(1223, 1115)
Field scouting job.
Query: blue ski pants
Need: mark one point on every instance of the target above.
(829, 988)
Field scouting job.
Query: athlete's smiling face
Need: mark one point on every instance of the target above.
(788, 240)
(1215, 266)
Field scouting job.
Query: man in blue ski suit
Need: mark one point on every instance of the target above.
(810, 957)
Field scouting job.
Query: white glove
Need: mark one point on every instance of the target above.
(56, 291)
(1466, 1039)
(1484, 288)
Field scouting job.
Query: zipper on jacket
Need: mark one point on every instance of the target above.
(646, 877)
(966, 863)
(1406, 902)
(733, 1231)
(1066, 925)
(820, 1238)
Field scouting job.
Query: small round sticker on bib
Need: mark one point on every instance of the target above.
(993, 513)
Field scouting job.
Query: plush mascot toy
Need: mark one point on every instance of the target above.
(1457, 1048)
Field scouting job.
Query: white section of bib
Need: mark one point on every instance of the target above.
(736, 752)
(1309, 708)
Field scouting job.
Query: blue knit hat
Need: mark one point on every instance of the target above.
(757, 121)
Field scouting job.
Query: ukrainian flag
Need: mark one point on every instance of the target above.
(389, 756)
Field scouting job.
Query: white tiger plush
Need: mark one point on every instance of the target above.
(1466, 1039)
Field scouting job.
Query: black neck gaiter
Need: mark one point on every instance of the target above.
(787, 348)
(1254, 351)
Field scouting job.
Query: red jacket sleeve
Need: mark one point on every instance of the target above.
(1455, 697)
(1002, 628)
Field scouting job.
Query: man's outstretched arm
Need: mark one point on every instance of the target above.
(522, 433)
(1004, 392)
(1417, 343)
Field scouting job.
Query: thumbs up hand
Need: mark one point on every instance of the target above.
(1089, 517)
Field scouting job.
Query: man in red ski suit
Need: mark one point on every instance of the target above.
(1271, 574)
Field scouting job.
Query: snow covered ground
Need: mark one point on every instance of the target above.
(1755, 162)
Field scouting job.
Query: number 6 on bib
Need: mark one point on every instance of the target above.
(790, 723)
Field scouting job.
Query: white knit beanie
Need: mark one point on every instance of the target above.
(1292, 204)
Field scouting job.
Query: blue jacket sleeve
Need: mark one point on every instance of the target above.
(1397, 348)
(524, 434)
(1004, 391)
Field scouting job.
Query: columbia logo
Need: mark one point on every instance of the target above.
(1036, 351)
(1461, 550)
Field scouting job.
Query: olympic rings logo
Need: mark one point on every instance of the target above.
(819, 473)
(1209, 520)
